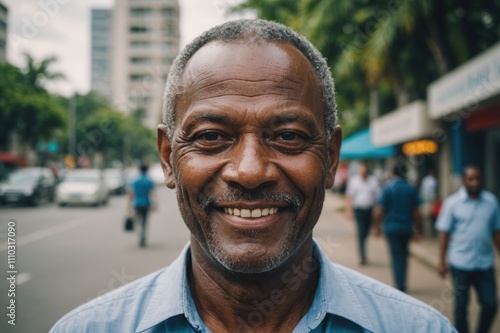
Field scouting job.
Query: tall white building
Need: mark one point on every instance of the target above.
(101, 43)
(145, 42)
(3, 32)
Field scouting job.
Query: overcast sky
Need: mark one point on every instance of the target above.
(62, 28)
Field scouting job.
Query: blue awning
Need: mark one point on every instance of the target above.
(359, 146)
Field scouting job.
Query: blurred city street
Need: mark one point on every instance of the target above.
(67, 256)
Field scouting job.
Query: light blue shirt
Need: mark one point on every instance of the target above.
(142, 187)
(471, 224)
(345, 301)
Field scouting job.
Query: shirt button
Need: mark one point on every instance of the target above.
(318, 316)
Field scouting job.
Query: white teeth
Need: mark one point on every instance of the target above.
(245, 213)
(251, 212)
(256, 213)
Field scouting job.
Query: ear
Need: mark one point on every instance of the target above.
(165, 151)
(333, 156)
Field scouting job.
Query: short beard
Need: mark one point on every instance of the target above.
(261, 265)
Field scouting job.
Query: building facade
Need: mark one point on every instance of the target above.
(3, 32)
(101, 44)
(466, 102)
(145, 42)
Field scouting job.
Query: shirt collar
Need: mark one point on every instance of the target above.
(464, 196)
(334, 295)
(167, 300)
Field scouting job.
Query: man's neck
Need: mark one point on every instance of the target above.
(474, 195)
(271, 302)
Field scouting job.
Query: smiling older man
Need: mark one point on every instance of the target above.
(250, 144)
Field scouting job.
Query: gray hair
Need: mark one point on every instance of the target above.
(250, 29)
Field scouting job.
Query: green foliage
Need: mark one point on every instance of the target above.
(35, 115)
(35, 75)
(28, 110)
(102, 129)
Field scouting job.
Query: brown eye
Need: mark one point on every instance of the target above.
(210, 136)
(288, 136)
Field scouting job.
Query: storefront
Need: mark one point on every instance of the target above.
(466, 102)
(413, 133)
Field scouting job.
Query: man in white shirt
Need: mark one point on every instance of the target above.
(362, 194)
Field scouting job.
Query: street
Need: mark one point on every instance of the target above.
(66, 256)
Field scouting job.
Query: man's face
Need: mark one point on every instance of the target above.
(472, 181)
(249, 155)
(363, 170)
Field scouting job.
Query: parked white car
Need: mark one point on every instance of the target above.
(83, 186)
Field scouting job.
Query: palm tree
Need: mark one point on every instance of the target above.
(38, 74)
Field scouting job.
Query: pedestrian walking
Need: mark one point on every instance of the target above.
(142, 199)
(362, 194)
(398, 206)
(468, 221)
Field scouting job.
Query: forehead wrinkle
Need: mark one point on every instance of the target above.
(228, 71)
(278, 85)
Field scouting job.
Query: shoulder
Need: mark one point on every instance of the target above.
(452, 199)
(388, 308)
(489, 197)
(117, 310)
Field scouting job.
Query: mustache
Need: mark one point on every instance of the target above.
(209, 201)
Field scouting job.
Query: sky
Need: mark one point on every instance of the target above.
(61, 28)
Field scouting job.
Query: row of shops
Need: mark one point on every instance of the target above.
(458, 125)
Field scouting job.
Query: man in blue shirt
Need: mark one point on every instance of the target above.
(141, 197)
(469, 220)
(250, 144)
(399, 203)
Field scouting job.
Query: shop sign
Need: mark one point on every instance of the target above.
(420, 147)
(467, 86)
(409, 122)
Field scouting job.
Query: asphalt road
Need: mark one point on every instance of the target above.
(66, 256)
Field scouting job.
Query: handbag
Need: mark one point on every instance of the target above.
(129, 223)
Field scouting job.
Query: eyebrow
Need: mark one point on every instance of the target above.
(293, 118)
(207, 117)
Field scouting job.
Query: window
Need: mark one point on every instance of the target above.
(169, 28)
(138, 29)
(140, 45)
(165, 45)
(138, 61)
(140, 99)
(140, 12)
(168, 12)
(139, 77)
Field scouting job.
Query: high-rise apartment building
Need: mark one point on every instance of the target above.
(3, 32)
(145, 42)
(101, 43)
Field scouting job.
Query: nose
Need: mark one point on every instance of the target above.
(250, 166)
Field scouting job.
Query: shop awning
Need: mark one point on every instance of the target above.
(359, 146)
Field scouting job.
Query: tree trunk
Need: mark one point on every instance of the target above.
(374, 103)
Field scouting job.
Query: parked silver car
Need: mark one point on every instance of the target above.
(83, 186)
